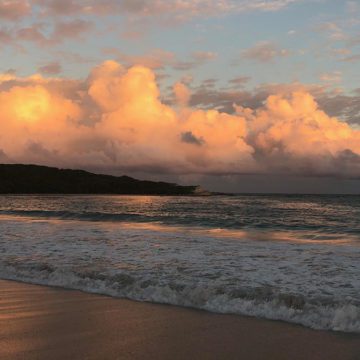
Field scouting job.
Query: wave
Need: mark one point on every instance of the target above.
(264, 302)
(85, 216)
(310, 233)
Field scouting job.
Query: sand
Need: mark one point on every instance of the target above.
(38, 322)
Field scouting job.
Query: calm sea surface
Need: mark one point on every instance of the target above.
(291, 258)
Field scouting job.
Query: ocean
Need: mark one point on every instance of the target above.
(294, 258)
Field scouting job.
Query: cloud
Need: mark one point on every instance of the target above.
(198, 58)
(264, 52)
(3, 157)
(209, 97)
(5, 36)
(333, 30)
(45, 35)
(156, 59)
(33, 33)
(115, 120)
(32, 114)
(239, 81)
(180, 10)
(12, 10)
(274, 5)
(333, 77)
(189, 138)
(51, 22)
(332, 100)
(159, 59)
(204, 55)
(352, 58)
(60, 7)
(52, 68)
(293, 128)
(339, 52)
(209, 83)
(182, 94)
(345, 106)
(71, 29)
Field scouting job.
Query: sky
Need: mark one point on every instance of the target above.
(240, 96)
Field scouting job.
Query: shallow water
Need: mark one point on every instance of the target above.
(293, 258)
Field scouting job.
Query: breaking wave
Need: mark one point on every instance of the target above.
(263, 302)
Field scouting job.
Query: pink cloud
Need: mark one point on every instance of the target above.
(14, 9)
(52, 68)
(71, 29)
(264, 51)
(181, 10)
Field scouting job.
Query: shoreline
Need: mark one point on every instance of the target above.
(42, 322)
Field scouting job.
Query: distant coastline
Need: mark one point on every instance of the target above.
(36, 179)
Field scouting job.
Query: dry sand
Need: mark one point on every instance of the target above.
(39, 322)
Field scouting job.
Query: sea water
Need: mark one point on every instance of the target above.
(290, 258)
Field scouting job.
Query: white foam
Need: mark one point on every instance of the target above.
(316, 285)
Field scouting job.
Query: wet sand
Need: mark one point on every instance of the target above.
(39, 322)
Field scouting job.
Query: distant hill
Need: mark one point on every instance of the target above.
(34, 179)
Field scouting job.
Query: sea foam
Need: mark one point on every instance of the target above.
(314, 283)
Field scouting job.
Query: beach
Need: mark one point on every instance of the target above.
(38, 322)
(180, 179)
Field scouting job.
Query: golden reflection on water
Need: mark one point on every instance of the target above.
(254, 235)
(295, 236)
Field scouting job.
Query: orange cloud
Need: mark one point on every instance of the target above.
(182, 93)
(33, 115)
(296, 126)
(115, 119)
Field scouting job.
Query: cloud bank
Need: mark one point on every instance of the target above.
(115, 120)
(183, 9)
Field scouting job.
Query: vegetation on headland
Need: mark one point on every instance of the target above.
(34, 179)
